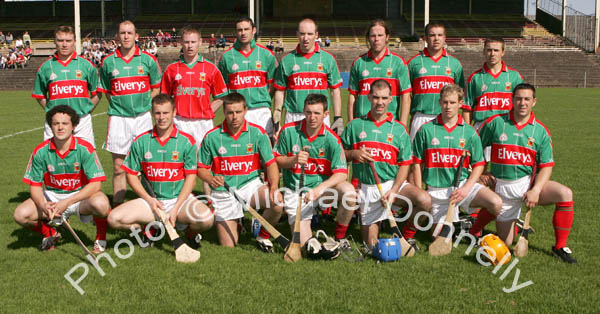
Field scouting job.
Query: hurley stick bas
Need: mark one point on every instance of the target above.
(522, 247)
(294, 252)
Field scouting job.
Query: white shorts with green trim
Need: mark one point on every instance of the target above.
(226, 205)
(511, 193)
(371, 209)
(440, 201)
(123, 130)
(71, 210)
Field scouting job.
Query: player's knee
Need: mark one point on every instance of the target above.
(115, 220)
(423, 200)
(566, 194)
(20, 217)
(100, 204)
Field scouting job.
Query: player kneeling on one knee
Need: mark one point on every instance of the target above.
(71, 173)
(437, 148)
(167, 158)
(235, 153)
(376, 137)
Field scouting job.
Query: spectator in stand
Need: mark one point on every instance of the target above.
(28, 53)
(327, 41)
(270, 45)
(21, 62)
(319, 42)
(86, 45)
(9, 39)
(26, 39)
(12, 59)
(174, 36)
(152, 34)
(221, 42)
(19, 43)
(3, 62)
(280, 47)
(2, 40)
(160, 37)
(212, 42)
(151, 48)
(167, 39)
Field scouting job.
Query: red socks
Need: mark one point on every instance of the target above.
(562, 222)
(340, 231)
(101, 227)
(263, 234)
(409, 230)
(44, 229)
(483, 218)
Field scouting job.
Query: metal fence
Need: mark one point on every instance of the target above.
(580, 27)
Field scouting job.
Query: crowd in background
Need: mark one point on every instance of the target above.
(18, 53)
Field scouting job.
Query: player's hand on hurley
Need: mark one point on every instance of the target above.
(459, 194)
(531, 198)
(172, 216)
(49, 209)
(313, 194)
(389, 196)
(216, 181)
(302, 158)
(338, 125)
(362, 155)
(155, 205)
(488, 180)
(275, 196)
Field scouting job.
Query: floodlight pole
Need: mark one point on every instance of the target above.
(77, 28)
(597, 37)
(564, 18)
(102, 13)
(412, 17)
(426, 13)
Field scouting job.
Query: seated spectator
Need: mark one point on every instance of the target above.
(26, 39)
(19, 43)
(21, 62)
(160, 37)
(2, 40)
(12, 60)
(167, 39)
(212, 42)
(3, 62)
(221, 42)
(270, 45)
(151, 34)
(280, 47)
(151, 47)
(174, 36)
(9, 39)
(318, 41)
(327, 41)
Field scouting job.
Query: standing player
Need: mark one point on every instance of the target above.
(379, 63)
(234, 153)
(437, 149)
(430, 70)
(376, 137)
(518, 142)
(324, 164)
(129, 78)
(191, 81)
(167, 158)
(249, 68)
(70, 170)
(307, 70)
(67, 78)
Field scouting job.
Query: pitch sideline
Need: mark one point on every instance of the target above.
(40, 128)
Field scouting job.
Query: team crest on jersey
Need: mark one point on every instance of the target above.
(76, 167)
(50, 168)
(508, 85)
(422, 70)
(435, 141)
(296, 67)
(140, 69)
(178, 77)
(249, 148)
(258, 64)
(388, 72)
(53, 76)
(78, 74)
(484, 88)
(390, 137)
(503, 137)
(320, 66)
(222, 150)
(321, 152)
(461, 143)
(234, 67)
(202, 76)
(530, 141)
(175, 155)
(448, 71)
(148, 155)
(115, 72)
(296, 148)
(362, 135)
(365, 73)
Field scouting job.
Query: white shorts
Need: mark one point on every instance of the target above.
(417, 122)
(371, 209)
(73, 209)
(83, 130)
(487, 151)
(261, 116)
(511, 193)
(440, 201)
(290, 199)
(168, 205)
(123, 130)
(226, 205)
(293, 117)
(197, 128)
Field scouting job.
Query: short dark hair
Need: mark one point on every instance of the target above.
(244, 19)
(234, 98)
(494, 40)
(524, 86)
(63, 109)
(312, 99)
(377, 22)
(380, 83)
(64, 29)
(163, 98)
(432, 25)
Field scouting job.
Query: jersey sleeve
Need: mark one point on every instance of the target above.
(166, 86)
(271, 69)
(280, 77)
(92, 80)
(337, 157)
(190, 159)
(418, 147)
(92, 167)
(470, 95)
(204, 155)
(265, 150)
(353, 84)
(218, 87)
(405, 153)
(334, 80)
(281, 148)
(155, 73)
(104, 78)
(34, 173)
(223, 69)
(459, 76)
(40, 86)
(545, 155)
(486, 133)
(347, 137)
(476, 151)
(132, 163)
(403, 79)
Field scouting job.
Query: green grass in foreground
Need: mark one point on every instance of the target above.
(245, 280)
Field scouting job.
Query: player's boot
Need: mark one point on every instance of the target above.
(49, 242)
(564, 254)
(193, 240)
(264, 245)
(99, 246)
(413, 243)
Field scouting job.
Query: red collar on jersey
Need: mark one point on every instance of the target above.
(155, 135)
(444, 54)
(237, 46)
(136, 52)
(370, 54)
(389, 118)
(489, 71)
(235, 136)
(72, 57)
(311, 139)
(440, 121)
(307, 55)
(71, 147)
(519, 127)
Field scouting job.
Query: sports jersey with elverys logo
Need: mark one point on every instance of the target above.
(326, 155)
(490, 94)
(440, 148)
(249, 73)
(240, 157)
(191, 85)
(388, 143)
(128, 82)
(64, 173)
(366, 69)
(428, 76)
(516, 148)
(301, 74)
(164, 164)
(67, 83)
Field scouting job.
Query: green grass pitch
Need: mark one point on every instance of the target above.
(245, 280)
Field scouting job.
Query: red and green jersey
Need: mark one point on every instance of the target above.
(300, 74)
(191, 85)
(249, 73)
(491, 94)
(128, 82)
(366, 69)
(326, 155)
(164, 164)
(64, 173)
(67, 83)
(387, 141)
(428, 76)
(516, 148)
(439, 149)
(239, 157)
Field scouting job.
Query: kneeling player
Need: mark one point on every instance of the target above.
(438, 147)
(70, 170)
(378, 138)
(519, 141)
(311, 145)
(233, 153)
(167, 158)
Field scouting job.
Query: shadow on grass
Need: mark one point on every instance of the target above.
(19, 198)
(25, 239)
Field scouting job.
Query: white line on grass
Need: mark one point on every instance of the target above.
(35, 129)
